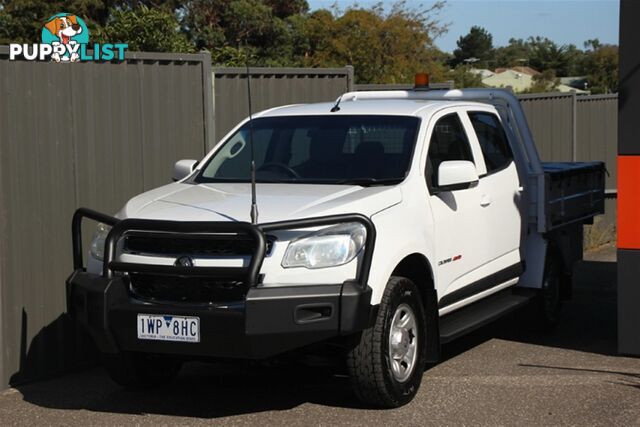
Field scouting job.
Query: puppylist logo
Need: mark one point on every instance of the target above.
(65, 38)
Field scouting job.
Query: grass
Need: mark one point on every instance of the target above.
(598, 234)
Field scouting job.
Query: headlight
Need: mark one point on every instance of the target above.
(99, 237)
(328, 247)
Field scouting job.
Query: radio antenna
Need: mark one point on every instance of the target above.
(254, 205)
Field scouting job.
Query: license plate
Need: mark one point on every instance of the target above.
(168, 328)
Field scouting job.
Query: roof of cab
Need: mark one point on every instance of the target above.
(398, 107)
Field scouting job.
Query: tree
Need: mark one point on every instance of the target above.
(541, 54)
(544, 54)
(477, 44)
(515, 53)
(544, 82)
(266, 28)
(601, 67)
(285, 8)
(21, 20)
(145, 29)
(383, 47)
(463, 77)
(574, 59)
(592, 44)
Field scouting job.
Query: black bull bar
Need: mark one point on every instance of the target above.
(249, 275)
(269, 321)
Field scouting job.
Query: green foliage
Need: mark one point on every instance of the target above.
(513, 54)
(21, 20)
(476, 46)
(544, 54)
(574, 58)
(463, 77)
(285, 8)
(144, 29)
(232, 56)
(539, 53)
(601, 67)
(544, 82)
(384, 44)
(267, 28)
(598, 62)
(383, 47)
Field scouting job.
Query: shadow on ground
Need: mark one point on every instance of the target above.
(588, 324)
(630, 379)
(202, 391)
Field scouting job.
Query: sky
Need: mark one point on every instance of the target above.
(563, 21)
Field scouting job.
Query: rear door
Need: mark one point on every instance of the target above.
(499, 191)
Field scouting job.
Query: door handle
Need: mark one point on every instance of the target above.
(485, 200)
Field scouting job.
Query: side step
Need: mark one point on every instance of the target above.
(478, 314)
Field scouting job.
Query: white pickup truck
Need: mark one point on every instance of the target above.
(388, 223)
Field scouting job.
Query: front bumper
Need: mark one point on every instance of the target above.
(269, 322)
(266, 321)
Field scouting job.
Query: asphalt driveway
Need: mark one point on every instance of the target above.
(499, 375)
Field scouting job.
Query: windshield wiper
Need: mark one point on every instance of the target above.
(367, 182)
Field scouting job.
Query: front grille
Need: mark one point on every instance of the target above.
(186, 290)
(199, 245)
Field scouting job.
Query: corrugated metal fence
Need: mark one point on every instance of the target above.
(597, 132)
(96, 134)
(273, 87)
(86, 134)
(569, 127)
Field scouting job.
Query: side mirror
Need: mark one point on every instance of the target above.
(183, 169)
(456, 175)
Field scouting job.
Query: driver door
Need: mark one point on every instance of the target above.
(460, 235)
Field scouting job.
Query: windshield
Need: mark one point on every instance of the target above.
(365, 150)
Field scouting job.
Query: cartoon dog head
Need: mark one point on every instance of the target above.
(64, 27)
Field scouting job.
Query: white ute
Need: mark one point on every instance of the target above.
(387, 224)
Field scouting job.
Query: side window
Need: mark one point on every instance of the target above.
(493, 140)
(448, 142)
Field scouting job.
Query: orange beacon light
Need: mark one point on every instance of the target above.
(421, 80)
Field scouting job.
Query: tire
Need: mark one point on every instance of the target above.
(543, 314)
(380, 375)
(141, 370)
(549, 301)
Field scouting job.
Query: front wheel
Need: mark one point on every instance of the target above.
(386, 361)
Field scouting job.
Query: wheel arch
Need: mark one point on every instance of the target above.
(418, 269)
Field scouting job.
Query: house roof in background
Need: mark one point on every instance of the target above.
(482, 72)
(565, 88)
(516, 80)
(578, 82)
(520, 69)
